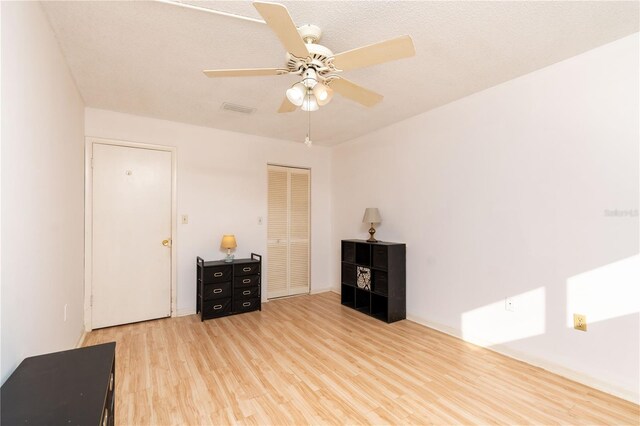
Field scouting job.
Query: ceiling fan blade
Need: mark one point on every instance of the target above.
(378, 53)
(286, 106)
(247, 72)
(356, 93)
(278, 19)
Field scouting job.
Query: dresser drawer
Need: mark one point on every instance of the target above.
(217, 274)
(217, 291)
(242, 305)
(246, 292)
(216, 307)
(246, 281)
(246, 269)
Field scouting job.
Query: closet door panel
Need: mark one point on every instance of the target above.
(299, 267)
(299, 233)
(288, 235)
(277, 234)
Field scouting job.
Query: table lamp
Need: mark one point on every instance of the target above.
(228, 242)
(371, 215)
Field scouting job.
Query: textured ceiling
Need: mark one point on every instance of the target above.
(146, 58)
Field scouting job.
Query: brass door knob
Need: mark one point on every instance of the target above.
(166, 243)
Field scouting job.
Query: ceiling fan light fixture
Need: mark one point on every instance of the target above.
(296, 94)
(310, 103)
(323, 93)
(310, 78)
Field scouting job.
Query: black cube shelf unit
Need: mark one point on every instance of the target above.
(374, 278)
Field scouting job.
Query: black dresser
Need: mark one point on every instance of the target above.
(373, 277)
(228, 288)
(74, 387)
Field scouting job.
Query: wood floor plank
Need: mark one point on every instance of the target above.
(309, 360)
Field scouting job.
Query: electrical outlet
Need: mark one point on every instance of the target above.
(580, 322)
(65, 312)
(509, 305)
(185, 219)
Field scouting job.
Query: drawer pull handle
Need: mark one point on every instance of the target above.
(217, 290)
(246, 292)
(246, 281)
(111, 383)
(217, 274)
(245, 304)
(105, 420)
(247, 269)
(217, 307)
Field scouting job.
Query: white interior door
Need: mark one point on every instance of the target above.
(131, 205)
(288, 239)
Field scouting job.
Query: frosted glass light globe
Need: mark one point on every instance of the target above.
(310, 103)
(323, 93)
(296, 94)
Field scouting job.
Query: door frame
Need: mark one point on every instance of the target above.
(88, 218)
(286, 166)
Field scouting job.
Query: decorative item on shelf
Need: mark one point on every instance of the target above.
(228, 242)
(371, 215)
(364, 278)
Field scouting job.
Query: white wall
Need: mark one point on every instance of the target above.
(42, 191)
(504, 194)
(222, 186)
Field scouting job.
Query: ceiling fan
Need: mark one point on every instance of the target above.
(318, 66)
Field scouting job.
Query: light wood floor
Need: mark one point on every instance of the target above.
(308, 360)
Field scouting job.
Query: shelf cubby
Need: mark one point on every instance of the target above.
(349, 273)
(363, 300)
(379, 257)
(349, 252)
(379, 306)
(379, 282)
(348, 295)
(363, 254)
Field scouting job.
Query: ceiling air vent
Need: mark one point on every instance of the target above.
(237, 108)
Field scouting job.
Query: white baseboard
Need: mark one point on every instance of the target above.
(320, 290)
(626, 394)
(81, 340)
(184, 312)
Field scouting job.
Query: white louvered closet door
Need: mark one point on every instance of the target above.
(288, 232)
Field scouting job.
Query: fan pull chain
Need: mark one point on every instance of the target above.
(307, 140)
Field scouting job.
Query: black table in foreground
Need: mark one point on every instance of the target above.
(74, 387)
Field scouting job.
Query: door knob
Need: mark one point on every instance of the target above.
(166, 242)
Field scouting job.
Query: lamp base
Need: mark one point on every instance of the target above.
(229, 257)
(371, 237)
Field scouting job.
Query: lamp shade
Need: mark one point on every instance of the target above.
(371, 215)
(228, 242)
